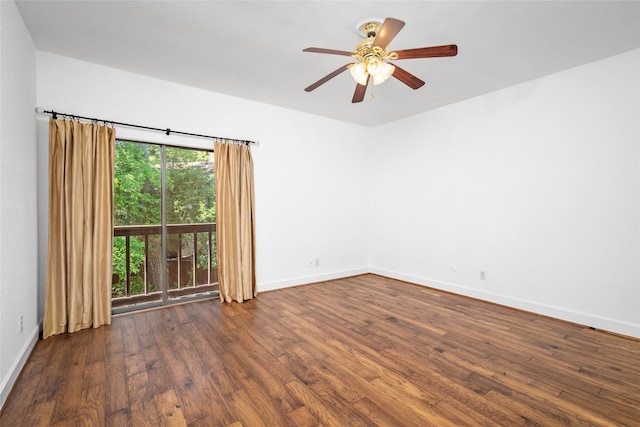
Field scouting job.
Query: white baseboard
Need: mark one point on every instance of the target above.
(598, 322)
(304, 280)
(9, 380)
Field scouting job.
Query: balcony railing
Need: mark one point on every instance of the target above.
(190, 264)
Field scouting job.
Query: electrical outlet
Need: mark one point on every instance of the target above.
(454, 269)
(316, 262)
(20, 324)
(483, 275)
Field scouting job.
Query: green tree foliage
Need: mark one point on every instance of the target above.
(190, 187)
(136, 184)
(190, 196)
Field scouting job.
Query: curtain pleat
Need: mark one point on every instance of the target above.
(235, 229)
(81, 162)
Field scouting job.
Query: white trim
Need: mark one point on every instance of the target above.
(588, 320)
(305, 280)
(9, 380)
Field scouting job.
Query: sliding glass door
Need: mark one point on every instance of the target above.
(164, 225)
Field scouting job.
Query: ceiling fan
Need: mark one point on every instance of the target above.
(373, 55)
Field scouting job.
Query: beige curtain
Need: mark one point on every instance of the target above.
(81, 159)
(235, 222)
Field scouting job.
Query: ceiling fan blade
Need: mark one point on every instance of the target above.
(390, 28)
(326, 78)
(407, 78)
(428, 52)
(358, 95)
(329, 51)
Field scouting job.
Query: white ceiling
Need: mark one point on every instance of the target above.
(253, 49)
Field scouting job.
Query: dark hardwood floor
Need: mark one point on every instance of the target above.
(363, 351)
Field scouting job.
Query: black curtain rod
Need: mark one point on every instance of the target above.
(167, 131)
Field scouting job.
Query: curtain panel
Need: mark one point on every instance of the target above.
(81, 167)
(235, 222)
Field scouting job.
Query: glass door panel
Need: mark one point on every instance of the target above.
(137, 249)
(191, 215)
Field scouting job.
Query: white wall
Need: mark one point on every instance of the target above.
(538, 185)
(18, 203)
(310, 173)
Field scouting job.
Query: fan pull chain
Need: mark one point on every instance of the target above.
(371, 94)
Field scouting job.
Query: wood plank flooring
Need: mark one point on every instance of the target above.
(361, 351)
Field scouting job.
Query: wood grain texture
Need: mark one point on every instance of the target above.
(360, 351)
(407, 78)
(327, 78)
(428, 52)
(328, 51)
(389, 30)
(358, 94)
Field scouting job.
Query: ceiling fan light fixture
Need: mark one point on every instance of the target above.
(372, 53)
(359, 73)
(373, 65)
(385, 71)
